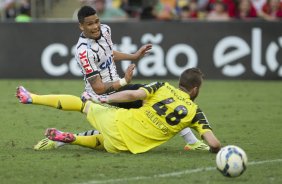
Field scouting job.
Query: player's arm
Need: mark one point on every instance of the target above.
(129, 95)
(118, 56)
(201, 125)
(212, 141)
(102, 88)
(126, 96)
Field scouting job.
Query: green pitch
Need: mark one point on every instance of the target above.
(244, 113)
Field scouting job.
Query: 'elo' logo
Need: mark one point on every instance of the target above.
(225, 59)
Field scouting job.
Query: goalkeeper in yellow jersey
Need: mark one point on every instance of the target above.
(165, 112)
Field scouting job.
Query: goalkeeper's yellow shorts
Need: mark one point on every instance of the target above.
(103, 118)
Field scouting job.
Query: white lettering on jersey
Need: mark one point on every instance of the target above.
(85, 63)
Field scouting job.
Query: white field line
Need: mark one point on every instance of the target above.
(172, 174)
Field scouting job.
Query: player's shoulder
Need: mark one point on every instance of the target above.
(155, 84)
(105, 28)
(82, 42)
(153, 87)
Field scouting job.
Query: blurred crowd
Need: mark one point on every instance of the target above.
(15, 10)
(211, 10)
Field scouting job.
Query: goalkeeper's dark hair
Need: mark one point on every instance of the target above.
(191, 78)
(85, 11)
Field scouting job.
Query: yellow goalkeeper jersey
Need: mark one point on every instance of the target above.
(165, 112)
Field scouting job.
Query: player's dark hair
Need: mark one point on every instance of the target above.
(191, 78)
(85, 11)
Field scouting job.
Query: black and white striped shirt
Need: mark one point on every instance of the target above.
(96, 57)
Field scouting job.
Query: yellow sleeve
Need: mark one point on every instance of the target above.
(151, 88)
(200, 123)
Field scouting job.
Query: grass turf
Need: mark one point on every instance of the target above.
(243, 113)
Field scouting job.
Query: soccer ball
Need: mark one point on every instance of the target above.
(231, 161)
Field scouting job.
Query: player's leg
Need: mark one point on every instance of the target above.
(98, 116)
(64, 102)
(104, 119)
(47, 144)
(192, 143)
(94, 141)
